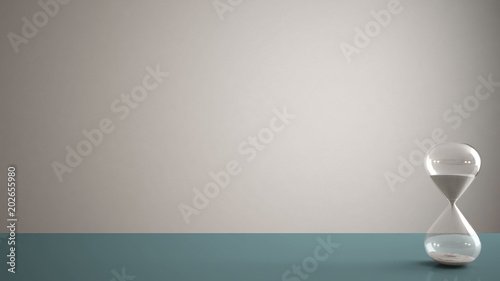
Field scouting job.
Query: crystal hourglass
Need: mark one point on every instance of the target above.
(451, 240)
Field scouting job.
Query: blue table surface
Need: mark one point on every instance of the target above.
(293, 257)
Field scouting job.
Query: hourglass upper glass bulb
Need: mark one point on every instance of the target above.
(452, 167)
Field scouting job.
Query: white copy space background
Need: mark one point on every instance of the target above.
(323, 173)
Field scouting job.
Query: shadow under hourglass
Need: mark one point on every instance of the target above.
(440, 272)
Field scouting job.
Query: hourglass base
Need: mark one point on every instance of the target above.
(451, 259)
(453, 249)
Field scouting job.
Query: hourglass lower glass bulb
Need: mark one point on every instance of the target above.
(451, 240)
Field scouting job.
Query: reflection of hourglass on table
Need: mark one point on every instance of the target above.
(451, 240)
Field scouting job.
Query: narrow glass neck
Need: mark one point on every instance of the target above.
(453, 203)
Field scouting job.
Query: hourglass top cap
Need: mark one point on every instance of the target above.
(453, 159)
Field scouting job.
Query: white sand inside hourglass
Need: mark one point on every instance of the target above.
(452, 186)
(451, 259)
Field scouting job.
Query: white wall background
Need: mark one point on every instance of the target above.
(323, 173)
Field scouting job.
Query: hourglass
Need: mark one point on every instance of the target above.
(451, 240)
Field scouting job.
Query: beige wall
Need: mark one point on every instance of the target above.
(230, 77)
